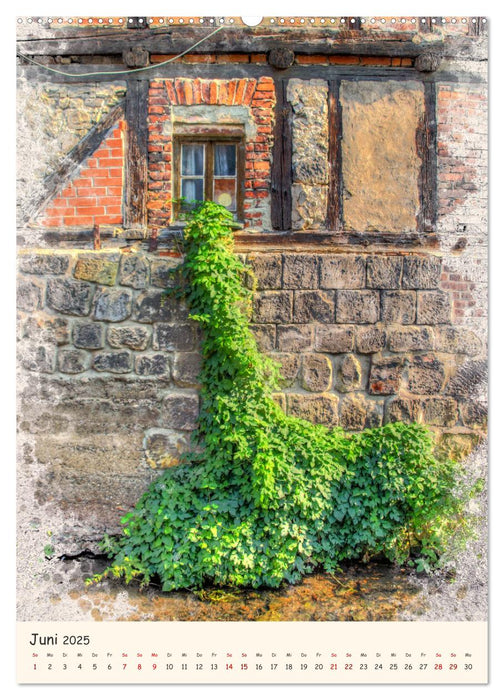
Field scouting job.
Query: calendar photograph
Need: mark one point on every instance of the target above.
(252, 278)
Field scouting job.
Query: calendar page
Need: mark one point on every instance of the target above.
(252, 349)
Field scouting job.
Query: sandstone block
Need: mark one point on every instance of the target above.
(152, 365)
(96, 268)
(153, 306)
(401, 409)
(457, 445)
(44, 264)
(133, 337)
(47, 330)
(162, 273)
(457, 340)
(29, 295)
(164, 448)
(353, 412)
(181, 411)
(112, 305)
(411, 339)
(439, 411)
(38, 358)
(369, 339)
(334, 339)
(294, 338)
(313, 306)
(398, 307)
(433, 307)
(342, 272)
(359, 306)
(69, 296)
(316, 372)
(134, 271)
(73, 361)
(319, 409)
(385, 376)
(272, 307)
(289, 366)
(300, 271)
(425, 375)
(474, 414)
(174, 336)
(421, 272)
(187, 368)
(384, 272)
(90, 336)
(265, 335)
(116, 362)
(348, 374)
(267, 269)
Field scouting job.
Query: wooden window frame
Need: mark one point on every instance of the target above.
(209, 139)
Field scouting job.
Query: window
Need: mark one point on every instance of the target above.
(208, 168)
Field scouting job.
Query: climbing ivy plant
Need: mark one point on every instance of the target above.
(264, 497)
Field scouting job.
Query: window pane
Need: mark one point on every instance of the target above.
(225, 192)
(193, 159)
(192, 190)
(225, 159)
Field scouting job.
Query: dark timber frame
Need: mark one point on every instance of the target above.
(136, 170)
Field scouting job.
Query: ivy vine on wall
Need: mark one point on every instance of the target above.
(264, 497)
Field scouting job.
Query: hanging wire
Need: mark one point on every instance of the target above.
(119, 72)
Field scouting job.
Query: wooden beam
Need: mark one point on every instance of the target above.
(69, 166)
(427, 150)
(135, 162)
(281, 172)
(335, 195)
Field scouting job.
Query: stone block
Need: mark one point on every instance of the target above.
(112, 305)
(134, 271)
(300, 271)
(457, 340)
(474, 414)
(404, 410)
(280, 400)
(369, 339)
(133, 337)
(385, 376)
(164, 448)
(421, 272)
(433, 307)
(265, 335)
(30, 295)
(359, 306)
(186, 369)
(115, 362)
(73, 361)
(44, 264)
(439, 411)
(425, 375)
(90, 336)
(348, 374)
(352, 412)
(96, 268)
(69, 296)
(457, 445)
(266, 269)
(174, 336)
(318, 409)
(47, 330)
(342, 272)
(272, 307)
(309, 207)
(38, 358)
(181, 411)
(469, 381)
(152, 306)
(289, 364)
(334, 339)
(294, 338)
(384, 271)
(312, 306)
(398, 307)
(153, 365)
(162, 273)
(411, 339)
(316, 372)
